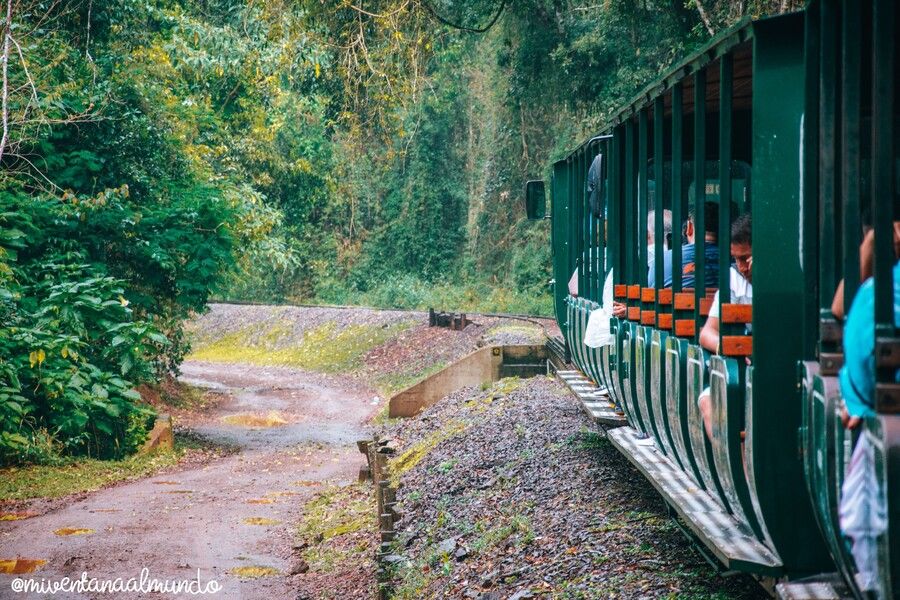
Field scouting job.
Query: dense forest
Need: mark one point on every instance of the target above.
(156, 155)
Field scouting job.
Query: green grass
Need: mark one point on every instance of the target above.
(325, 349)
(82, 475)
(75, 475)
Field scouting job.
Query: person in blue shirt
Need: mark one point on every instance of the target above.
(863, 511)
(688, 251)
(857, 376)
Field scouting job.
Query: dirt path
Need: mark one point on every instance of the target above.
(239, 511)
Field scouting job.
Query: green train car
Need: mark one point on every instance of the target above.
(794, 121)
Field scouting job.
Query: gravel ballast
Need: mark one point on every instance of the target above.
(511, 493)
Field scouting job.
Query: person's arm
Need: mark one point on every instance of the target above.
(709, 335)
(837, 304)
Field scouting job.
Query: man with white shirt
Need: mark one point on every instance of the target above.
(741, 287)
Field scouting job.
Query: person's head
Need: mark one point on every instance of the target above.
(667, 227)
(710, 222)
(742, 246)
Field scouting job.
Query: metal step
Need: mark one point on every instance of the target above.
(824, 587)
(732, 542)
(594, 399)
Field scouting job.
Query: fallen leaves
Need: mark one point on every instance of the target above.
(16, 516)
(20, 566)
(66, 531)
(261, 521)
(254, 572)
(255, 421)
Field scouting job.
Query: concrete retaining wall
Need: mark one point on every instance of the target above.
(478, 368)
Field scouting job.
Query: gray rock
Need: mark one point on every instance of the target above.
(447, 546)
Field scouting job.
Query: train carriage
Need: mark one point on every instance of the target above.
(792, 120)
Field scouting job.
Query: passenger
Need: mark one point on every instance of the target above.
(651, 246)
(711, 251)
(866, 266)
(863, 514)
(741, 287)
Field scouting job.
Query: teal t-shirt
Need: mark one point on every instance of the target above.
(857, 376)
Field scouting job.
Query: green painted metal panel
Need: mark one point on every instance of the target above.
(779, 289)
(678, 199)
(826, 468)
(614, 229)
(641, 376)
(661, 200)
(656, 394)
(809, 222)
(884, 433)
(626, 376)
(628, 239)
(697, 378)
(726, 85)
(838, 443)
(676, 396)
(699, 196)
(727, 382)
(559, 225)
(642, 205)
(883, 110)
(829, 182)
(851, 58)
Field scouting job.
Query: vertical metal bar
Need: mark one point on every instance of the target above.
(642, 250)
(699, 194)
(828, 174)
(851, 25)
(580, 223)
(882, 168)
(629, 241)
(599, 258)
(677, 195)
(810, 183)
(583, 283)
(590, 250)
(726, 84)
(614, 229)
(602, 148)
(570, 234)
(659, 203)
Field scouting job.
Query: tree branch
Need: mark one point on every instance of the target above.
(704, 16)
(7, 27)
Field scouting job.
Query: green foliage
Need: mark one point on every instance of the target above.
(162, 152)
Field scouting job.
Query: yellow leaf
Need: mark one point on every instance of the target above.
(318, 70)
(64, 352)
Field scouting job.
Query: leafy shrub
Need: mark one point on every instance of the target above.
(87, 288)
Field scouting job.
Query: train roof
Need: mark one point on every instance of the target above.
(721, 44)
